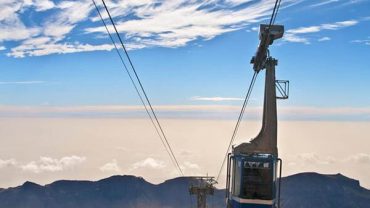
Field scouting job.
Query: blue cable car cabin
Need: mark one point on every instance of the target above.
(253, 181)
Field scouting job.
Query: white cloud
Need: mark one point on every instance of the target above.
(302, 30)
(22, 82)
(324, 39)
(315, 159)
(365, 41)
(255, 29)
(328, 26)
(154, 23)
(191, 165)
(189, 168)
(295, 35)
(47, 39)
(215, 99)
(43, 5)
(7, 163)
(337, 2)
(338, 25)
(58, 31)
(312, 159)
(237, 2)
(31, 167)
(295, 39)
(176, 23)
(110, 167)
(2, 48)
(187, 111)
(55, 48)
(149, 163)
(70, 13)
(360, 158)
(324, 2)
(11, 26)
(48, 164)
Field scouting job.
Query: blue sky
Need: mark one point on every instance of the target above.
(193, 59)
(56, 53)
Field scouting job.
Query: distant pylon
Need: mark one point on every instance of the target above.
(202, 189)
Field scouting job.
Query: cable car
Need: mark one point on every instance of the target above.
(254, 181)
(252, 168)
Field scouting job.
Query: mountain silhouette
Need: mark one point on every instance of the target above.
(298, 191)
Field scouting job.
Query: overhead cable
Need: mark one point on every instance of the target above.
(153, 117)
(272, 21)
(238, 122)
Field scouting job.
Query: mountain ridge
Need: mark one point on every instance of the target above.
(298, 190)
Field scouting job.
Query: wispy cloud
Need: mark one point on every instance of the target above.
(176, 23)
(324, 39)
(149, 163)
(147, 23)
(324, 2)
(187, 111)
(2, 48)
(215, 99)
(360, 158)
(190, 165)
(299, 35)
(50, 36)
(55, 48)
(48, 164)
(313, 158)
(12, 27)
(43, 5)
(44, 164)
(111, 167)
(22, 82)
(336, 3)
(364, 41)
(8, 163)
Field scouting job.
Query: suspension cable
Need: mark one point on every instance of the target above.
(274, 12)
(132, 81)
(238, 122)
(160, 131)
(277, 11)
(272, 21)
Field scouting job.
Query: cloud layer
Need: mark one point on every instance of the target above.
(147, 23)
(215, 99)
(111, 167)
(49, 36)
(312, 159)
(45, 164)
(187, 111)
(74, 26)
(176, 23)
(300, 34)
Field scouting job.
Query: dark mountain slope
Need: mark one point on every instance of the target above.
(301, 190)
(316, 190)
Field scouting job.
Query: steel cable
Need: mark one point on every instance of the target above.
(160, 132)
(272, 20)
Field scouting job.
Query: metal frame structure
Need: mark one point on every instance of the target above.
(203, 188)
(283, 88)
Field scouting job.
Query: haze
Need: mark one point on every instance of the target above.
(47, 149)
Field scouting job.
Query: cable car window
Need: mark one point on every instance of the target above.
(237, 177)
(257, 181)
